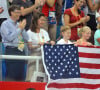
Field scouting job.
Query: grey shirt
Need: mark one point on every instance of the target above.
(9, 31)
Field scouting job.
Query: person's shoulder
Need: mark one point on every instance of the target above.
(30, 32)
(67, 11)
(61, 41)
(43, 30)
(6, 22)
(69, 42)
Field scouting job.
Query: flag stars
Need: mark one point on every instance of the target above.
(63, 70)
(61, 50)
(67, 49)
(75, 59)
(45, 46)
(76, 66)
(49, 50)
(61, 74)
(69, 52)
(59, 68)
(56, 71)
(58, 53)
(73, 69)
(55, 50)
(58, 60)
(61, 63)
(75, 52)
(52, 68)
(52, 60)
(64, 53)
(66, 56)
(72, 62)
(55, 57)
(66, 66)
(70, 73)
(64, 46)
(50, 71)
(51, 46)
(77, 73)
(71, 48)
(64, 60)
(49, 64)
(52, 53)
(54, 75)
(46, 53)
(49, 57)
(57, 46)
(68, 62)
(55, 64)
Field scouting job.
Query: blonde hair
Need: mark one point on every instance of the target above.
(98, 26)
(83, 29)
(65, 28)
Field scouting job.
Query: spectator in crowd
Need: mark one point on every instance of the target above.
(58, 10)
(97, 36)
(74, 18)
(37, 37)
(26, 9)
(92, 7)
(98, 14)
(14, 35)
(85, 34)
(3, 12)
(66, 34)
(48, 10)
(65, 5)
(26, 13)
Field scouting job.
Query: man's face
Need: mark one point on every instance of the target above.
(16, 14)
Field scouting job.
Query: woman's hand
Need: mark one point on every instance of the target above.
(84, 19)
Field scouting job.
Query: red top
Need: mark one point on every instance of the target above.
(45, 9)
(73, 19)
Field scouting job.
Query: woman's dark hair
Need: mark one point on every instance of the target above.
(34, 23)
(79, 11)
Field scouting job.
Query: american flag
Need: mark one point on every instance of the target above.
(72, 68)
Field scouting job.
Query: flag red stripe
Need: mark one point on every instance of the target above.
(90, 76)
(89, 55)
(74, 85)
(91, 66)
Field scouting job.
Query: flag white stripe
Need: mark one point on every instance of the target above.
(89, 60)
(76, 80)
(89, 50)
(90, 71)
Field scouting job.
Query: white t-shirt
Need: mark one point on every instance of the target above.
(35, 38)
(62, 41)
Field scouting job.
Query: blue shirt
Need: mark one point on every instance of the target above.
(10, 31)
(96, 36)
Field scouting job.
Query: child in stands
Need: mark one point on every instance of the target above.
(66, 34)
(84, 34)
